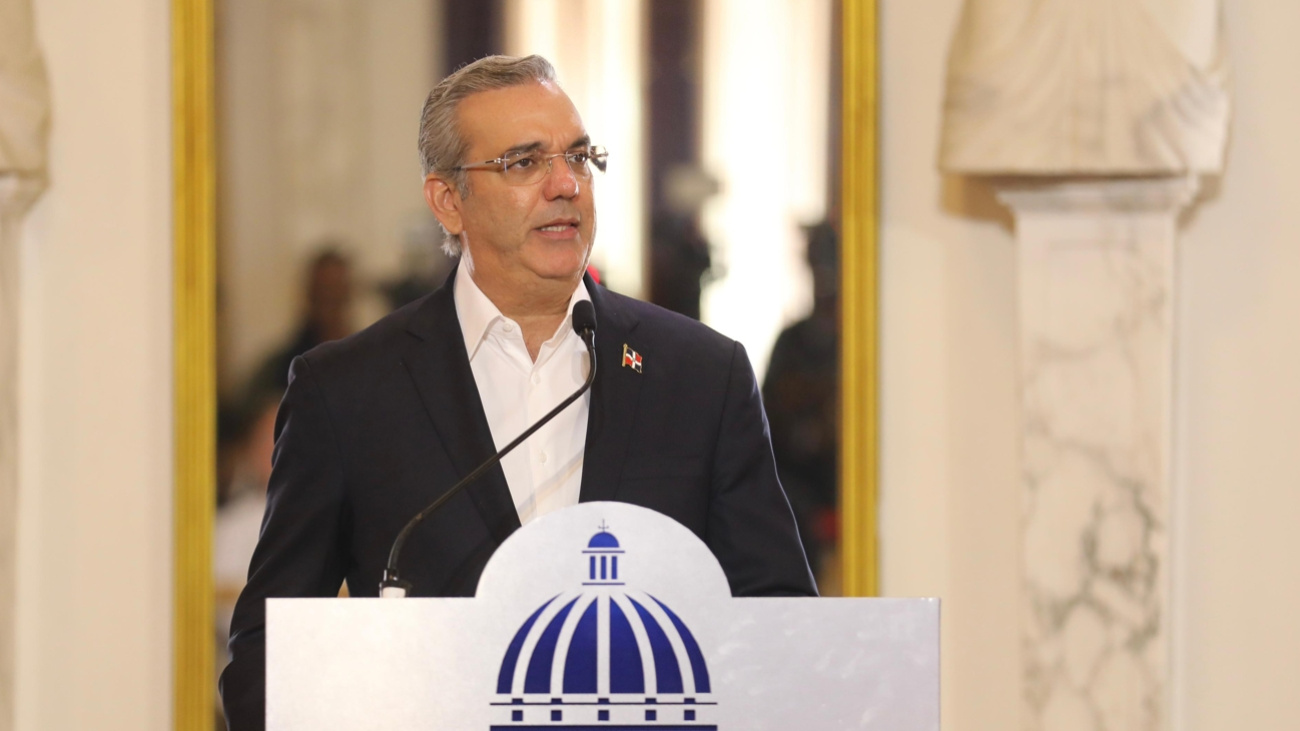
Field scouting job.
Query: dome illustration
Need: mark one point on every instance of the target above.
(605, 655)
(603, 539)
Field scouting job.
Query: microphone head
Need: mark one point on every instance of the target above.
(584, 317)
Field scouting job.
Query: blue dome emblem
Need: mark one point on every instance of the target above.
(604, 654)
(603, 540)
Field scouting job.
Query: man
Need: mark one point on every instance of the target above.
(376, 426)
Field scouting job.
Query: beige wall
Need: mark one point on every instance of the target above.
(950, 481)
(1238, 379)
(94, 543)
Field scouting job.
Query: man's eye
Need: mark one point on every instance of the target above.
(523, 162)
(579, 157)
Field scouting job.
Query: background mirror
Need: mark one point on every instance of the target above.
(721, 117)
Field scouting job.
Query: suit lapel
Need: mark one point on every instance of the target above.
(614, 398)
(438, 364)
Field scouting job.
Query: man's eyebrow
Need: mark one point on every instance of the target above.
(583, 141)
(522, 147)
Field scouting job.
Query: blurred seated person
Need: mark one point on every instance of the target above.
(239, 517)
(680, 261)
(327, 316)
(801, 395)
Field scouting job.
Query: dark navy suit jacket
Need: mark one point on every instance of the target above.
(376, 426)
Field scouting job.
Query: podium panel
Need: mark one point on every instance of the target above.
(603, 616)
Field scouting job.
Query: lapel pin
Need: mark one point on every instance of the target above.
(631, 359)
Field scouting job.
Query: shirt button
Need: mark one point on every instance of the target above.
(543, 457)
(536, 379)
(508, 327)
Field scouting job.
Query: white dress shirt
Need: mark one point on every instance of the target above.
(545, 472)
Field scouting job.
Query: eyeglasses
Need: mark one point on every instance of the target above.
(526, 168)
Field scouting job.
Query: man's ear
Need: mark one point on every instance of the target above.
(445, 201)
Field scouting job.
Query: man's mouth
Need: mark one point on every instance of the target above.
(563, 228)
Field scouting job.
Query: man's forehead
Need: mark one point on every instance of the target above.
(536, 115)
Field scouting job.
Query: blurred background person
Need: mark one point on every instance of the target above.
(327, 315)
(801, 395)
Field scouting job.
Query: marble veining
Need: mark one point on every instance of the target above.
(1096, 284)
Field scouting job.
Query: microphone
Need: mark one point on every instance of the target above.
(584, 323)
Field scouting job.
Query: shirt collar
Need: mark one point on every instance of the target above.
(477, 313)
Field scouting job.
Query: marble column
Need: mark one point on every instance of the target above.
(16, 194)
(1105, 113)
(24, 131)
(1096, 285)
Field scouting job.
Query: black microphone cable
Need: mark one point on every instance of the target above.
(584, 323)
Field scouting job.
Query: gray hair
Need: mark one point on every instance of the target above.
(442, 145)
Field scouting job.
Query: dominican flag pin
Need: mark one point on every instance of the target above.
(631, 359)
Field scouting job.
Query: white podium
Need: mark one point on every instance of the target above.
(603, 616)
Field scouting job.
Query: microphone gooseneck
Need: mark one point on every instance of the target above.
(584, 323)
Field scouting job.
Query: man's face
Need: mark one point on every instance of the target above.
(524, 237)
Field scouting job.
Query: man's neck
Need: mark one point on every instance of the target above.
(537, 329)
(538, 310)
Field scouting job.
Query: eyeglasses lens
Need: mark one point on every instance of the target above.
(531, 167)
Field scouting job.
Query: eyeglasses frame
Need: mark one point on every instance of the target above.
(596, 155)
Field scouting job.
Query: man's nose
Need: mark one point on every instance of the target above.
(560, 180)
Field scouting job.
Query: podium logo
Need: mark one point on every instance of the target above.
(605, 656)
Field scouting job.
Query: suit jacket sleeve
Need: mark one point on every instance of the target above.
(751, 527)
(301, 551)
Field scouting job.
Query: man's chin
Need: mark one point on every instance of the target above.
(565, 265)
(568, 275)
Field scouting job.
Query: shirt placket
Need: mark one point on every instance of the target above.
(515, 370)
(540, 401)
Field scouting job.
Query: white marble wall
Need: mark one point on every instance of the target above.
(1096, 286)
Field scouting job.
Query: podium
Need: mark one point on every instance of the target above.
(603, 616)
